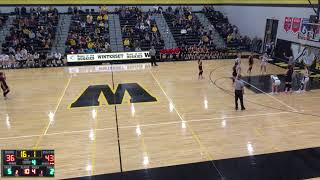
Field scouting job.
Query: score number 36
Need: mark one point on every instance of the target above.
(10, 158)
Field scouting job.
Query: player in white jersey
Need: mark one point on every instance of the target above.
(305, 79)
(238, 59)
(238, 68)
(275, 84)
(264, 62)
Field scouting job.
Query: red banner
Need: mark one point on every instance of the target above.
(296, 24)
(287, 24)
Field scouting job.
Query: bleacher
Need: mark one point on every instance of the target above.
(190, 38)
(131, 31)
(225, 29)
(35, 31)
(3, 19)
(87, 37)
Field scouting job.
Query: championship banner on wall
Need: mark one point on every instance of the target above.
(292, 24)
(296, 24)
(302, 28)
(287, 24)
(108, 56)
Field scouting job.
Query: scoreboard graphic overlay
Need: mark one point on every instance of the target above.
(27, 163)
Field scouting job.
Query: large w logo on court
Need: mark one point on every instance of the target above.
(97, 94)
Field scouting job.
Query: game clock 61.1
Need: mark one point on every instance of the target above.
(27, 163)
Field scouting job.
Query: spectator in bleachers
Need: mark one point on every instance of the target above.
(36, 59)
(30, 60)
(139, 28)
(229, 33)
(49, 59)
(57, 58)
(103, 9)
(88, 33)
(89, 19)
(31, 31)
(126, 42)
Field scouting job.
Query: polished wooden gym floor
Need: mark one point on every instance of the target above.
(192, 121)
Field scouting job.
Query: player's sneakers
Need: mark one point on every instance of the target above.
(6, 92)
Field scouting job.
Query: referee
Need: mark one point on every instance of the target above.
(152, 52)
(238, 92)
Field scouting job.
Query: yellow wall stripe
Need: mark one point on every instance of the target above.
(67, 2)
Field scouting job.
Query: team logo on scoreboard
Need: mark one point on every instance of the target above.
(97, 95)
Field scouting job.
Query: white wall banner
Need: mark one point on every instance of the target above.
(109, 68)
(108, 56)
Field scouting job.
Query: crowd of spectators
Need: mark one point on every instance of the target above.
(139, 29)
(182, 18)
(33, 31)
(30, 39)
(192, 33)
(194, 53)
(89, 33)
(229, 32)
(3, 20)
(23, 58)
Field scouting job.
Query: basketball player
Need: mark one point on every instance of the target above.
(234, 73)
(290, 60)
(200, 69)
(238, 92)
(238, 68)
(238, 59)
(250, 63)
(263, 65)
(4, 85)
(305, 79)
(288, 80)
(153, 52)
(275, 84)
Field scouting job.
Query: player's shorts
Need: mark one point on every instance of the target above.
(277, 82)
(263, 63)
(306, 79)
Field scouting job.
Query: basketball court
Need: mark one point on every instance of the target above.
(191, 121)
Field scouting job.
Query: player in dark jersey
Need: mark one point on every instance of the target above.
(288, 80)
(4, 86)
(234, 73)
(200, 69)
(250, 64)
